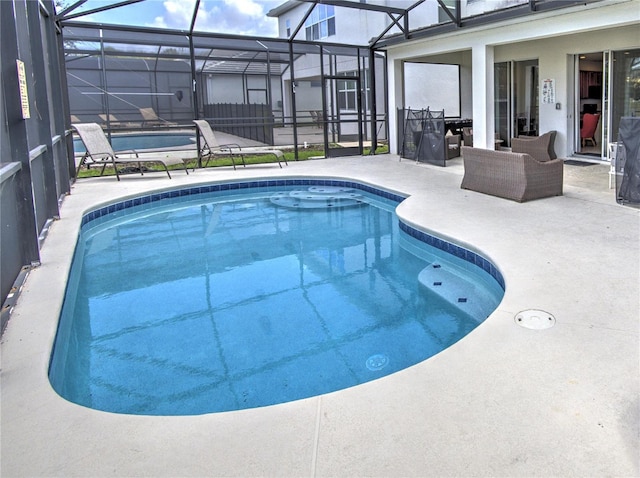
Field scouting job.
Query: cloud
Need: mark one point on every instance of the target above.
(159, 23)
(175, 14)
(246, 7)
(242, 17)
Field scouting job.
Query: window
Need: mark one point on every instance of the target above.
(321, 23)
(348, 92)
(288, 26)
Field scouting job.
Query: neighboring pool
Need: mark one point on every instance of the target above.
(233, 296)
(123, 142)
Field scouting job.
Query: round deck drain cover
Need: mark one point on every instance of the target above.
(535, 319)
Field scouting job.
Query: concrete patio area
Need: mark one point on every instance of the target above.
(503, 401)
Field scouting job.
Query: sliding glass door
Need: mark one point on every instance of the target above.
(502, 97)
(625, 87)
(591, 105)
(525, 98)
(608, 85)
(516, 99)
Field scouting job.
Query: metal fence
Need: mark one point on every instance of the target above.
(250, 121)
(37, 164)
(421, 135)
(265, 90)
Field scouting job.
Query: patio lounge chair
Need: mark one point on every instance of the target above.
(317, 117)
(209, 147)
(112, 121)
(99, 151)
(540, 147)
(151, 118)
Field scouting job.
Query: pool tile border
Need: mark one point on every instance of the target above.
(434, 241)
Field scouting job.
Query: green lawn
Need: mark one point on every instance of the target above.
(303, 155)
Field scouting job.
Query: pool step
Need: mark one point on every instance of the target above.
(465, 289)
(318, 197)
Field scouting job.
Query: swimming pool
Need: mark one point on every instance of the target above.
(142, 141)
(265, 292)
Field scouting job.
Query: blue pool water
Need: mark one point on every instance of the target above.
(234, 296)
(143, 141)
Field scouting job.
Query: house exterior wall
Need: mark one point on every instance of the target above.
(352, 26)
(551, 38)
(355, 26)
(555, 61)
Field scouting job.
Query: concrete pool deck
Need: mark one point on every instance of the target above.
(503, 401)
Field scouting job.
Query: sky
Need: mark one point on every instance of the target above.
(241, 17)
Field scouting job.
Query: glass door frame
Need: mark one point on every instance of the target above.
(607, 91)
(605, 110)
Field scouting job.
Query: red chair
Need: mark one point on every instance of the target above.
(588, 130)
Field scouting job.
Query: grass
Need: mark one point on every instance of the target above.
(289, 154)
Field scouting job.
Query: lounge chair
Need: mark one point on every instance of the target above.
(317, 117)
(151, 118)
(112, 121)
(209, 147)
(99, 151)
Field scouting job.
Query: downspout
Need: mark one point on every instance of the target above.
(194, 90)
(293, 102)
(373, 95)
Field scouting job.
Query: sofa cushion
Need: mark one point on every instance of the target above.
(540, 147)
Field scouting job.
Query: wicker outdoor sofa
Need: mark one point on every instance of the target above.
(516, 176)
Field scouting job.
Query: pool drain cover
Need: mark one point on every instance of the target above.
(377, 362)
(535, 319)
